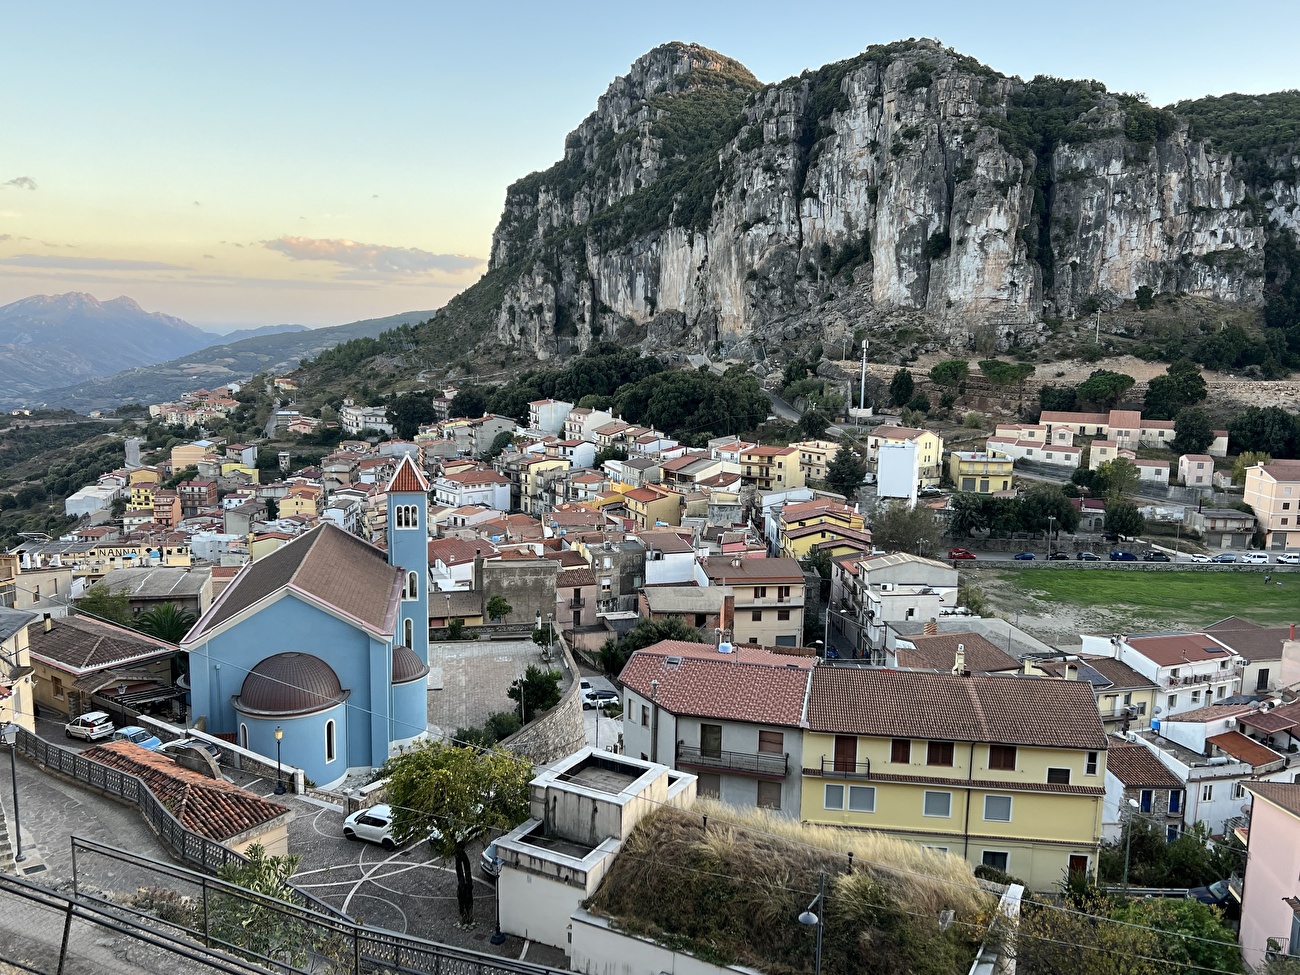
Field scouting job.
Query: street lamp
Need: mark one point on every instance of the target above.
(10, 734)
(1128, 839)
(1050, 519)
(809, 919)
(279, 773)
(497, 937)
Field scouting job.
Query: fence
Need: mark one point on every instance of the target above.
(279, 935)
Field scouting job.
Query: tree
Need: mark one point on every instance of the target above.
(901, 387)
(1270, 430)
(609, 453)
(614, 654)
(499, 443)
(1192, 431)
(469, 401)
(1103, 389)
(410, 411)
(899, 527)
(105, 605)
(498, 608)
(950, 372)
(1123, 518)
(538, 690)
(1062, 398)
(1145, 297)
(845, 474)
(1117, 477)
(167, 622)
(813, 423)
(819, 561)
(453, 795)
(252, 926)
(1244, 460)
(1182, 385)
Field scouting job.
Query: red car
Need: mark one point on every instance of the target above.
(960, 553)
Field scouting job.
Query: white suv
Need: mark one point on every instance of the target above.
(91, 726)
(374, 825)
(1289, 558)
(1255, 558)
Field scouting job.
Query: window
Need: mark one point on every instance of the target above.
(1196, 697)
(1175, 800)
(769, 795)
(1090, 767)
(846, 753)
(1173, 672)
(772, 742)
(997, 809)
(900, 751)
(645, 716)
(1238, 790)
(243, 736)
(58, 688)
(1002, 757)
(937, 804)
(330, 753)
(782, 594)
(1207, 792)
(711, 740)
(1058, 776)
(629, 709)
(782, 614)
(756, 615)
(862, 798)
(834, 798)
(709, 785)
(1173, 701)
(408, 631)
(939, 753)
(1171, 833)
(1144, 800)
(406, 516)
(412, 588)
(1222, 692)
(760, 592)
(996, 859)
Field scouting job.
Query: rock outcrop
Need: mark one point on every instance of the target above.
(698, 209)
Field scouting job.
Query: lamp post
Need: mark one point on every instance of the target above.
(10, 733)
(809, 919)
(1128, 839)
(1050, 519)
(497, 937)
(279, 773)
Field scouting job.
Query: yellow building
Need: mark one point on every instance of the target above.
(1273, 492)
(189, 454)
(980, 472)
(768, 599)
(1003, 770)
(531, 484)
(16, 684)
(143, 482)
(815, 457)
(649, 506)
(234, 467)
(302, 501)
(929, 449)
(810, 525)
(771, 468)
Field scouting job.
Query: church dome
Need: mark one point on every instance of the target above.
(407, 666)
(290, 684)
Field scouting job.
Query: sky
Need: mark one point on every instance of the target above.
(251, 163)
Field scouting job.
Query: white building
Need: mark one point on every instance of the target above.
(354, 419)
(898, 470)
(1190, 670)
(91, 498)
(548, 415)
(669, 559)
(487, 488)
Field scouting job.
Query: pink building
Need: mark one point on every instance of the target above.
(1271, 893)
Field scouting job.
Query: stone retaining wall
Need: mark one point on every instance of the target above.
(559, 731)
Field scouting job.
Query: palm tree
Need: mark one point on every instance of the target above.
(166, 622)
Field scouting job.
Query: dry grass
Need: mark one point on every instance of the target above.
(731, 892)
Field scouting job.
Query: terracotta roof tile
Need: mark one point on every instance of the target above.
(1179, 648)
(1244, 749)
(1138, 768)
(408, 478)
(1003, 709)
(939, 652)
(210, 807)
(1275, 719)
(1284, 794)
(1211, 712)
(574, 578)
(79, 643)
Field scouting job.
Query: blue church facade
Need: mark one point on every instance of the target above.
(327, 639)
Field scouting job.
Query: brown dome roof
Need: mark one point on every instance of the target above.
(407, 666)
(290, 683)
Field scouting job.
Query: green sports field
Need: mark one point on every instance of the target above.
(1128, 600)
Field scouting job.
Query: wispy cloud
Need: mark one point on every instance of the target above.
(373, 258)
(21, 182)
(70, 263)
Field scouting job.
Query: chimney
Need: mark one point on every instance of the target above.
(727, 613)
(931, 627)
(959, 662)
(1071, 671)
(48, 623)
(1292, 636)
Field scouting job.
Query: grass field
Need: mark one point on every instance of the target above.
(1103, 599)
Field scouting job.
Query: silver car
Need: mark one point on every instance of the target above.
(374, 825)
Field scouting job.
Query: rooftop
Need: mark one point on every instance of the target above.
(1173, 649)
(1244, 749)
(79, 643)
(1138, 768)
(939, 652)
(743, 570)
(685, 599)
(1283, 794)
(158, 582)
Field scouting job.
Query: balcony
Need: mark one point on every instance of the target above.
(577, 603)
(763, 764)
(832, 768)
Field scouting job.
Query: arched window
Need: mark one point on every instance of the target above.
(243, 735)
(330, 748)
(412, 588)
(408, 631)
(406, 516)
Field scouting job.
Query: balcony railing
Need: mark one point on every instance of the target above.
(577, 603)
(746, 763)
(832, 768)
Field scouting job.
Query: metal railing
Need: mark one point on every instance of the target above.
(577, 603)
(753, 763)
(832, 767)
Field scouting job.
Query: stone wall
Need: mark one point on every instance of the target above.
(559, 731)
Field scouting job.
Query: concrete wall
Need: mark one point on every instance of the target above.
(1271, 871)
(527, 585)
(537, 907)
(559, 731)
(597, 949)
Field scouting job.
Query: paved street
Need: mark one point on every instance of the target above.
(602, 732)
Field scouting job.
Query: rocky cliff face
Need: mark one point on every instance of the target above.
(695, 208)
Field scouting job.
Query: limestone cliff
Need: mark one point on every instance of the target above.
(697, 209)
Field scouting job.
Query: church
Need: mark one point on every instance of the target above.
(327, 639)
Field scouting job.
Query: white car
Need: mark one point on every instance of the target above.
(1289, 558)
(374, 825)
(1198, 557)
(91, 726)
(1255, 558)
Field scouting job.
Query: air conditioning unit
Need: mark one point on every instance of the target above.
(1131, 736)
(1230, 723)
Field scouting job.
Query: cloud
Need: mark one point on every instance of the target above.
(377, 259)
(21, 182)
(71, 263)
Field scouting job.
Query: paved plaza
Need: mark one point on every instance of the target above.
(468, 680)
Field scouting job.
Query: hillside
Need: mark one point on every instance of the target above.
(212, 366)
(47, 339)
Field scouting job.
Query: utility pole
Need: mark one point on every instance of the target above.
(862, 387)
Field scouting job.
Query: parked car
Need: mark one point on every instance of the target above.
(1156, 557)
(1025, 556)
(598, 699)
(1215, 893)
(1289, 558)
(138, 736)
(1059, 557)
(180, 744)
(1088, 557)
(1122, 556)
(91, 726)
(1200, 557)
(1110, 536)
(374, 825)
(1255, 558)
(960, 553)
(489, 861)
(1223, 557)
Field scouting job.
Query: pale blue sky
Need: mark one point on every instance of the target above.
(171, 143)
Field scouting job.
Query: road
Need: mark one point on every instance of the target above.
(783, 410)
